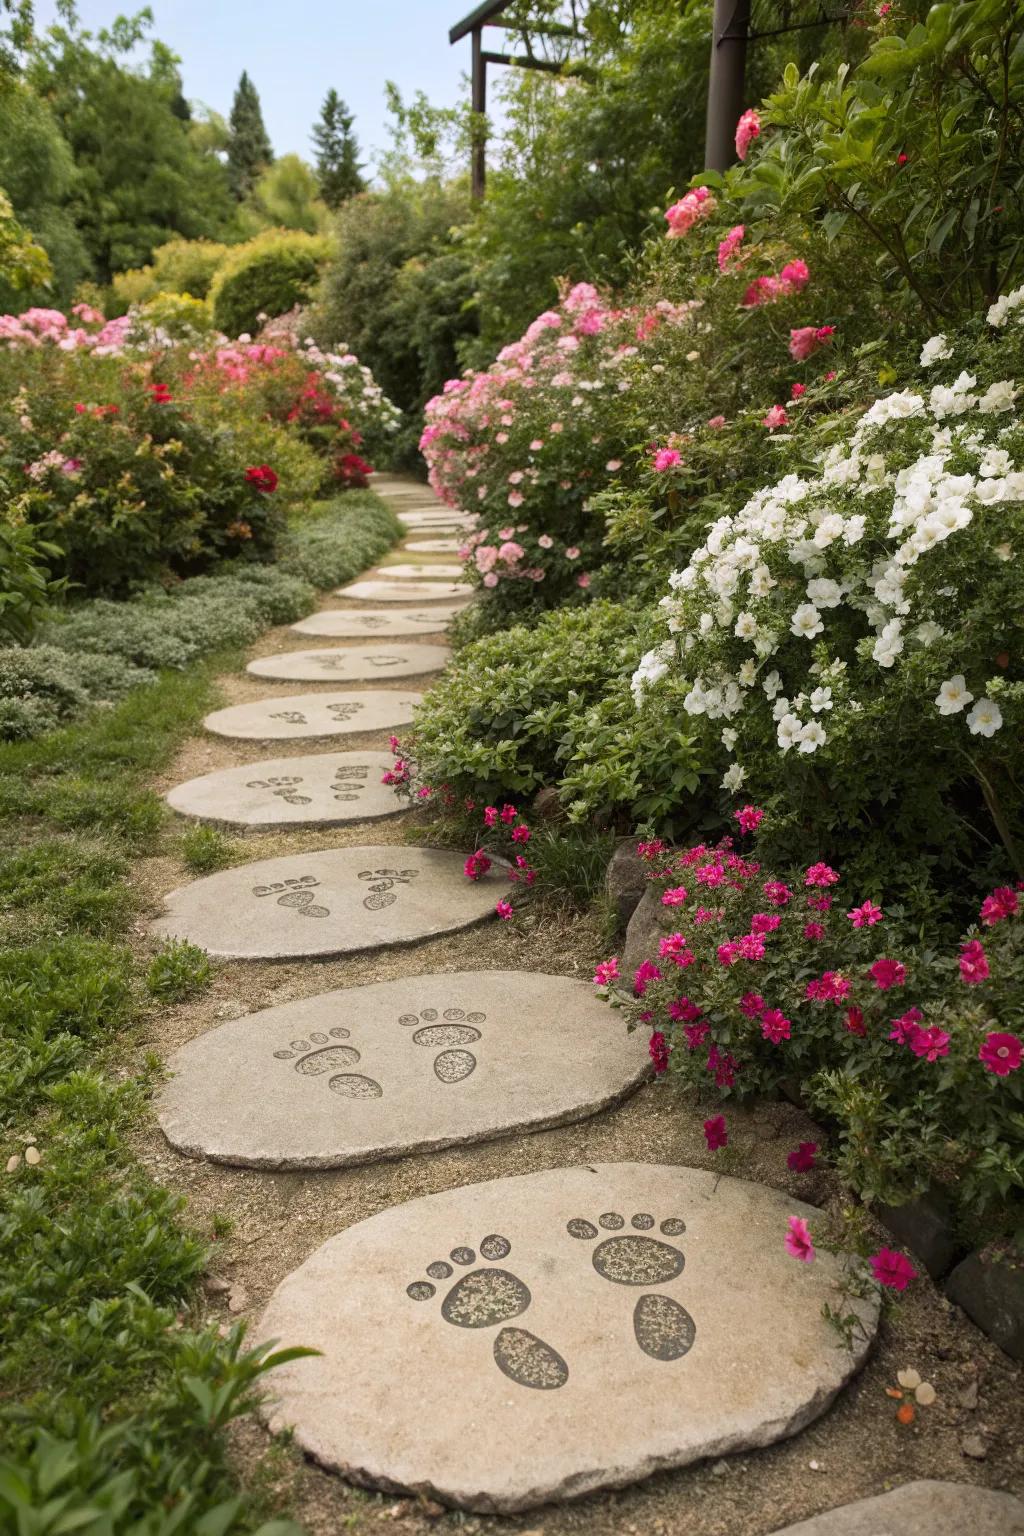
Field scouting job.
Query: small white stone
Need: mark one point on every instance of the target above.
(33, 1156)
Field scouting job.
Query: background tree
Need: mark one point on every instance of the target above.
(286, 196)
(249, 149)
(337, 152)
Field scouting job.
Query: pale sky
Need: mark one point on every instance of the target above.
(294, 51)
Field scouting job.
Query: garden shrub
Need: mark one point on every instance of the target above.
(26, 589)
(43, 686)
(850, 639)
(177, 314)
(267, 276)
(335, 543)
(185, 267)
(758, 982)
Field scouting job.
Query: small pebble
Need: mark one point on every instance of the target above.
(14, 1162)
(974, 1447)
(719, 1469)
(33, 1156)
(967, 1397)
(239, 1299)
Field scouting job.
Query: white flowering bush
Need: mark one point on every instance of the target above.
(851, 637)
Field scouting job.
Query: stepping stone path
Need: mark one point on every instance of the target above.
(335, 902)
(434, 546)
(399, 1067)
(921, 1509)
(426, 570)
(350, 665)
(420, 519)
(380, 591)
(298, 715)
(349, 623)
(319, 791)
(578, 1328)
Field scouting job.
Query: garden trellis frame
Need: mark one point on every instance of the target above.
(733, 28)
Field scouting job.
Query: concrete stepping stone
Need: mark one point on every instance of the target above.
(319, 791)
(422, 519)
(921, 1509)
(434, 546)
(334, 902)
(351, 622)
(579, 1328)
(380, 591)
(298, 715)
(350, 664)
(428, 569)
(398, 1067)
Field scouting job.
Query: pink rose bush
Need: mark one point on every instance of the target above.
(892, 1042)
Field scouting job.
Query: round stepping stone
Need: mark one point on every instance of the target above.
(921, 1509)
(351, 664)
(417, 572)
(350, 622)
(380, 591)
(315, 791)
(434, 546)
(398, 1067)
(335, 902)
(583, 1327)
(299, 715)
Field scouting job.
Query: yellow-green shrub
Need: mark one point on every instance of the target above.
(179, 266)
(179, 314)
(266, 276)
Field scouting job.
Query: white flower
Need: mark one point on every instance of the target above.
(746, 627)
(812, 736)
(781, 708)
(935, 350)
(761, 581)
(998, 397)
(985, 718)
(771, 684)
(747, 674)
(790, 730)
(928, 632)
(824, 592)
(806, 622)
(1004, 306)
(729, 738)
(706, 623)
(821, 699)
(734, 777)
(953, 696)
(828, 530)
(695, 702)
(854, 530)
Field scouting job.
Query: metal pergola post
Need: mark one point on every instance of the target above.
(478, 175)
(727, 81)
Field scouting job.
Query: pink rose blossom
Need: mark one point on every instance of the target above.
(775, 418)
(821, 874)
(1001, 904)
(645, 973)
(805, 340)
(667, 458)
(930, 1043)
(752, 1004)
(683, 1011)
(545, 541)
(691, 209)
(775, 1026)
(749, 818)
(583, 580)
(716, 423)
(729, 246)
(887, 973)
(490, 580)
(747, 130)
(973, 963)
(572, 553)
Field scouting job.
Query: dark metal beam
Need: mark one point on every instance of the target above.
(727, 81)
(478, 173)
(523, 62)
(477, 19)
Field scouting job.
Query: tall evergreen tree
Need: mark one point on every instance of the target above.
(249, 150)
(337, 152)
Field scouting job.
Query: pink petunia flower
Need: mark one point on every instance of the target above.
(973, 963)
(866, 915)
(715, 1133)
(892, 1269)
(749, 818)
(798, 1240)
(821, 874)
(775, 1026)
(1001, 1053)
(1001, 904)
(887, 973)
(658, 1049)
(802, 1159)
(606, 971)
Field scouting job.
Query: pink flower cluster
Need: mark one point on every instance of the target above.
(691, 209)
(805, 340)
(769, 289)
(747, 130)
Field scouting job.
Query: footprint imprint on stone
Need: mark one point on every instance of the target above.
(319, 1055)
(664, 1329)
(455, 1031)
(483, 1298)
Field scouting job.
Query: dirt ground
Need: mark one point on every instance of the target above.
(266, 1224)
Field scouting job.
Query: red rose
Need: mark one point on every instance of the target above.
(261, 477)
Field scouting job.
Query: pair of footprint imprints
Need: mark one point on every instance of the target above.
(296, 894)
(322, 1054)
(348, 783)
(382, 883)
(282, 789)
(487, 1298)
(339, 663)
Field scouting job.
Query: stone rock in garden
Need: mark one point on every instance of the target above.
(335, 902)
(352, 664)
(319, 791)
(500, 1345)
(350, 623)
(397, 1067)
(547, 804)
(921, 1509)
(991, 1292)
(427, 571)
(434, 546)
(645, 928)
(925, 1226)
(626, 879)
(298, 715)
(378, 590)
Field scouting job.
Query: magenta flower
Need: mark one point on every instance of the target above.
(695, 1034)
(892, 1269)
(508, 814)
(752, 1004)
(830, 987)
(973, 963)
(674, 897)
(906, 1028)
(749, 818)
(658, 1048)
(606, 971)
(930, 1043)
(1001, 904)
(667, 458)
(490, 815)
(1001, 1053)
(683, 1011)
(504, 910)
(798, 1240)
(715, 1133)
(521, 834)
(814, 931)
(644, 973)
(728, 247)
(802, 1160)
(765, 922)
(887, 973)
(778, 895)
(747, 130)
(805, 340)
(821, 874)
(866, 915)
(776, 417)
(775, 1026)
(854, 1021)
(476, 866)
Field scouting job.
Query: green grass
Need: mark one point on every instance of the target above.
(114, 1398)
